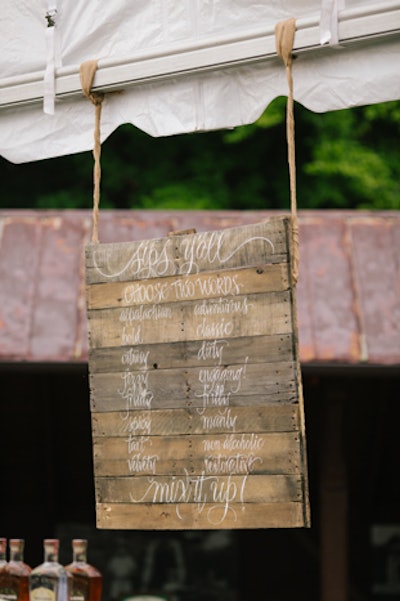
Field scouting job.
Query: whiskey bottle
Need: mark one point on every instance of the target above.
(3, 549)
(87, 581)
(14, 575)
(50, 581)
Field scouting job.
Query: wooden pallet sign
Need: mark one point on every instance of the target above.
(196, 402)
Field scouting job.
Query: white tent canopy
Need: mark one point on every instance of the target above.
(179, 66)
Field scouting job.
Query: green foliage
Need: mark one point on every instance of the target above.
(178, 196)
(345, 159)
(274, 115)
(355, 158)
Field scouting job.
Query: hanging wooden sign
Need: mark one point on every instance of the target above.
(196, 399)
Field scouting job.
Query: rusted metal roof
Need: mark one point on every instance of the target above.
(348, 294)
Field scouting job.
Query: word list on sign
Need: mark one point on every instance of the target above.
(196, 400)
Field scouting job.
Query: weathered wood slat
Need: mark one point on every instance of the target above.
(261, 349)
(263, 453)
(207, 251)
(235, 489)
(266, 418)
(252, 315)
(198, 286)
(194, 517)
(271, 396)
(198, 386)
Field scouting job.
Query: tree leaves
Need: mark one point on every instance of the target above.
(344, 159)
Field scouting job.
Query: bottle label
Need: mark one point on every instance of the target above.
(42, 594)
(8, 596)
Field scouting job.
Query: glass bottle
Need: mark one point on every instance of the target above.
(50, 581)
(87, 581)
(3, 548)
(14, 575)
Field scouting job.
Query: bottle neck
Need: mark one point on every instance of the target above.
(16, 550)
(79, 550)
(3, 545)
(51, 550)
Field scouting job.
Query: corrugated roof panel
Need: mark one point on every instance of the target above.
(348, 295)
(326, 265)
(19, 263)
(57, 312)
(376, 277)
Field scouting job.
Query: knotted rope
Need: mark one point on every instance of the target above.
(87, 72)
(284, 38)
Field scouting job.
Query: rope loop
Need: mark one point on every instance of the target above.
(96, 98)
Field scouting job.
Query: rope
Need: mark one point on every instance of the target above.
(284, 38)
(87, 72)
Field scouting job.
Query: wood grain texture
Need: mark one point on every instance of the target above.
(264, 418)
(182, 255)
(275, 348)
(271, 453)
(253, 488)
(249, 384)
(192, 517)
(249, 315)
(213, 284)
(196, 398)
